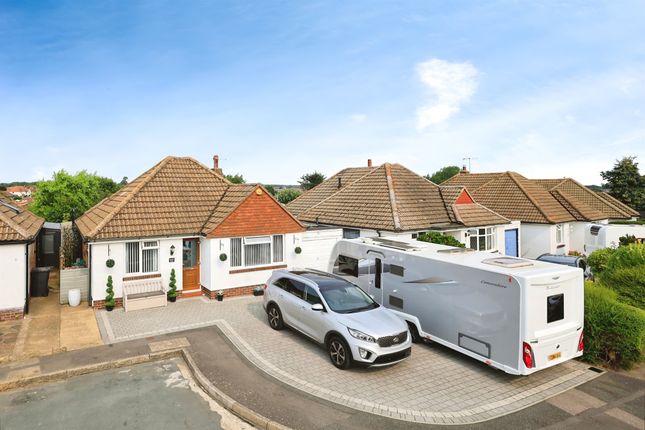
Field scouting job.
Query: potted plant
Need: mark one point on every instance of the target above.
(222, 257)
(109, 263)
(109, 295)
(297, 250)
(220, 295)
(172, 290)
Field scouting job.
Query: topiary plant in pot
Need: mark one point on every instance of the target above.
(109, 295)
(172, 290)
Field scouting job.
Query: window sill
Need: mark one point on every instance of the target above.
(138, 276)
(257, 269)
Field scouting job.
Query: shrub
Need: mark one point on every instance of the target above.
(628, 283)
(627, 256)
(597, 261)
(109, 293)
(627, 240)
(172, 285)
(440, 238)
(614, 331)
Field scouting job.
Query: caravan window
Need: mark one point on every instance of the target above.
(554, 308)
(346, 266)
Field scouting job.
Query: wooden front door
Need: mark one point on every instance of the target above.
(191, 265)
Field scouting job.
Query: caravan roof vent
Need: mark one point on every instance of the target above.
(389, 243)
(456, 250)
(507, 262)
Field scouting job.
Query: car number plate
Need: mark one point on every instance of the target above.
(554, 356)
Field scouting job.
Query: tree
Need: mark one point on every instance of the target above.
(66, 197)
(235, 179)
(310, 180)
(270, 189)
(286, 195)
(626, 183)
(443, 174)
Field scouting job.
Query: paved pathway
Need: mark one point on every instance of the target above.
(436, 385)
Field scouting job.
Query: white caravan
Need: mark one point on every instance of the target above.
(599, 236)
(514, 314)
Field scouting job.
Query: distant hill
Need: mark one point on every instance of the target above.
(4, 185)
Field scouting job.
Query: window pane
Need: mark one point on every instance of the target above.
(278, 249)
(258, 239)
(236, 252)
(48, 243)
(473, 242)
(312, 296)
(296, 288)
(351, 233)
(189, 255)
(257, 254)
(346, 266)
(150, 244)
(150, 260)
(482, 243)
(555, 308)
(132, 257)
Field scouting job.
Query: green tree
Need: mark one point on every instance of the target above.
(286, 195)
(271, 189)
(626, 183)
(235, 179)
(310, 180)
(66, 197)
(443, 174)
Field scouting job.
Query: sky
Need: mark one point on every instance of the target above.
(281, 88)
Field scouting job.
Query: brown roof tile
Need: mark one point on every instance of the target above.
(178, 196)
(18, 225)
(620, 206)
(389, 197)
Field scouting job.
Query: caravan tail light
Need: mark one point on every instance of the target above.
(527, 355)
(581, 341)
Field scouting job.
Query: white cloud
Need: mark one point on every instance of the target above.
(450, 86)
(358, 117)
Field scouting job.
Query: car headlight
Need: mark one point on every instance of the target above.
(360, 335)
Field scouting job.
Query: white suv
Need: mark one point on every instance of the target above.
(338, 314)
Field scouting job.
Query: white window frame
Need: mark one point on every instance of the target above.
(489, 235)
(559, 234)
(254, 240)
(141, 247)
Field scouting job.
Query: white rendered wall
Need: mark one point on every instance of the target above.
(317, 246)
(101, 251)
(537, 239)
(12, 276)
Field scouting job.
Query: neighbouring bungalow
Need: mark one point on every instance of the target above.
(391, 200)
(553, 213)
(19, 230)
(185, 216)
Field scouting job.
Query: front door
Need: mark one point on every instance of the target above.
(510, 243)
(191, 266)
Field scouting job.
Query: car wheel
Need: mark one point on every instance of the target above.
(275, 317)
(339, 353)
(414, 333)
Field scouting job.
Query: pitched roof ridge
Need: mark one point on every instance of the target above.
(612, 201)
(335, 193)
(392, 194)
(452, 204)
(346, 169)
(529, 196)
(455, 211)
(212, 211)
(194, 160)
(152, 173)
(13, 225)
(414, 173)
(490, 210)
(569, 202)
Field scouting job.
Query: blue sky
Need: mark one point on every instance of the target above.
(281, 88)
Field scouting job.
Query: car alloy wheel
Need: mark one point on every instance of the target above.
(339, 353)
(275, 318)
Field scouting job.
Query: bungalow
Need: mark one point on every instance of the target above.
(394, 201)
(586, 206)
(19, 191)
(19, 230)
(553, 212)
(184, 216)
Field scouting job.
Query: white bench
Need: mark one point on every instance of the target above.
(143, 294)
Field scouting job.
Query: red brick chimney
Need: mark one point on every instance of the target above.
(216, 168)
(464, 169)
(369, 162)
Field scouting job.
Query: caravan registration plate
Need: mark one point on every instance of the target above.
(554, 356)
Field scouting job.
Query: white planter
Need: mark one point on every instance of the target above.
(74, 297)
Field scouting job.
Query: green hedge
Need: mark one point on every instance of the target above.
(614, 331)
(628, 283)
(598, 260)
(440, 238)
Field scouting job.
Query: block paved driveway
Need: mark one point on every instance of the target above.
(436, 385)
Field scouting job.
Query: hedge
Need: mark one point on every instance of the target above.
(614, 331)
(628, 283)
(598, 259)
(440, 238)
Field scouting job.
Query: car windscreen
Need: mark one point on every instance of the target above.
(346, 298)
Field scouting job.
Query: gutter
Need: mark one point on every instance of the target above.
(26, 278)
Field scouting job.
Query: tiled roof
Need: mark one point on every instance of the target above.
(17, 225)
(620, 206)
(585, 202)
(178, 196)
(389, 197)
(513, 196)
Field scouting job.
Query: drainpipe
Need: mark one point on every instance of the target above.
(89, 274)
(26, 278)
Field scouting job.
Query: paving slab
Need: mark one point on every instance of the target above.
(440, 384)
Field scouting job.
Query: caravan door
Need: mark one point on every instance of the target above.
(375, 277)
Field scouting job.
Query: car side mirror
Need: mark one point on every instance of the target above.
(317, 307)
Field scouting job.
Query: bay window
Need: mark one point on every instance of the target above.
(257, 251)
